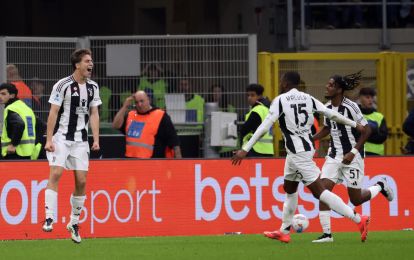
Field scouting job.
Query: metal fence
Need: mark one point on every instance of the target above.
(200, 61)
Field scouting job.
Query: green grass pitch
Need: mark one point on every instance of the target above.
(380, 245)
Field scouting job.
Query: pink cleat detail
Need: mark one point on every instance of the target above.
(285, 238)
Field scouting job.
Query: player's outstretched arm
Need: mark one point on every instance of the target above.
(331, 114)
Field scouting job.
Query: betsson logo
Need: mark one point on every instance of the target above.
(257, 182)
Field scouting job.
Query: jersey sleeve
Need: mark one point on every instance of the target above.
(318, 106)
(358, 116)
(96, 101)
(274, 110)
(57, 95)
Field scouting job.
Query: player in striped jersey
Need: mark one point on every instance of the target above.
(294, 110)
(74, 102)
(346, 151)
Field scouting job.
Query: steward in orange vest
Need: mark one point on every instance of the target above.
(149, 131)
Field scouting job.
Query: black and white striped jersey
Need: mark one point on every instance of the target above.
(75, 101)
(344, 138)
(294, 110)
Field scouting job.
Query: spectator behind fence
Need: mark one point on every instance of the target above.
(219, 96)
(13, 76)
(153, 83)
(194, 103)
(40, 104)
(408, 128)
(22, 131)
(376, 121)
(258, 112)
(149, 130)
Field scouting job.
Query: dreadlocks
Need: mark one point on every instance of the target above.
(348, 82)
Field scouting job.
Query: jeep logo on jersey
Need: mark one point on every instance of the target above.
(81, 110)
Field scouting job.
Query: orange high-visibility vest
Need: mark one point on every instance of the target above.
(140, 133)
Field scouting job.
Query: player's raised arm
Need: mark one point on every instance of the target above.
(260, 131)
(333, 115)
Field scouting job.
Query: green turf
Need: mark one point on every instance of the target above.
(380, 245)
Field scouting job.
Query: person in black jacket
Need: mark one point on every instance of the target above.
(15, 125)
(253, 119)
(408, 128)
(376, 121)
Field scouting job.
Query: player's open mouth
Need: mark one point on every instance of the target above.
(89, 69)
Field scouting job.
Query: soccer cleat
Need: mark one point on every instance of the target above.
(386, 189)
(285, 238)
(74, 231)
(48, 225)
(324, 238)
(363, 227)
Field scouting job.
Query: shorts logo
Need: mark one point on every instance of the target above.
(354, 183)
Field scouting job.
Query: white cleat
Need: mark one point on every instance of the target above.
(74, 231)
(48, 225)
(386, 189)
(325, 238)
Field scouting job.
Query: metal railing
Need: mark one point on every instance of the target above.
(385, 43)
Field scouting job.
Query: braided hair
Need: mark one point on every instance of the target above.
(348, 82)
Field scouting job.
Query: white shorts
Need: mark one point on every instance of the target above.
(337, 172)
(301, 167)
(69, 154)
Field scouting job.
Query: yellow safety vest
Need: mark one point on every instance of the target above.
(26, 147)
(371, 147)
(265, 144)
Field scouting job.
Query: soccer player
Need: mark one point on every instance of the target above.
(294, 110)
(74, 102)
(346, 151)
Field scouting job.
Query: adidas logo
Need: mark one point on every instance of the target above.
(354, 183)
(75, 94)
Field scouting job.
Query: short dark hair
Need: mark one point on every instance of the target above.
(11, 88)
(292, 78)
(77, 56)
(259, 89)
(367, 91)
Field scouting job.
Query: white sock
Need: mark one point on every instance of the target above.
(77, 205)
(374, 189)
(338, 205)
(50, 203)
(325, 219)
(289, 208)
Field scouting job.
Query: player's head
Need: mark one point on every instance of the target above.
(366, 97)
(337, 84)
(289, 80)
(7, 91)
(142, 102)
(82, 64)
(254, 93)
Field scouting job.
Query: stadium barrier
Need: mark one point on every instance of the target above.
(186, 197)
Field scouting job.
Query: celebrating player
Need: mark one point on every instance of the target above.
(294, 110)
(74, 101)
(346, 151)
